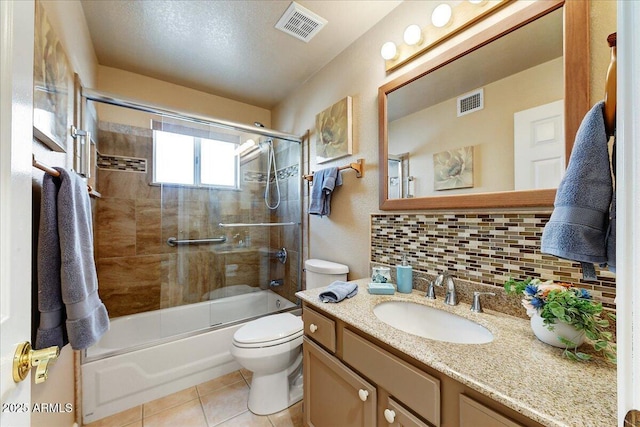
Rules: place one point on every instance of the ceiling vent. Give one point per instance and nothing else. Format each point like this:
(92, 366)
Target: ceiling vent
(470, 102)
(300, 22)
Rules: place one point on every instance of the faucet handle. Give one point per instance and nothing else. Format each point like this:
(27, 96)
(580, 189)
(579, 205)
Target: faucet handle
(431, 292)
(476, 307)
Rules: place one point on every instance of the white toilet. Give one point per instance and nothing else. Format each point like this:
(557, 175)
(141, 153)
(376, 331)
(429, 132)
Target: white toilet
(271, 348)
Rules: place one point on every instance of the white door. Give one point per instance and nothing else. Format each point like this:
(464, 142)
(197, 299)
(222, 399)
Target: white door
(16, 106)
(628, 212)
(539, 158)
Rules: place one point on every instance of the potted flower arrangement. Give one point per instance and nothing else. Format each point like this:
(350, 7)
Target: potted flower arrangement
(563, 315)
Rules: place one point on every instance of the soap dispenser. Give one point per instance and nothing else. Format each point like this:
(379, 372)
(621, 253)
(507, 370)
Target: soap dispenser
(404, 276)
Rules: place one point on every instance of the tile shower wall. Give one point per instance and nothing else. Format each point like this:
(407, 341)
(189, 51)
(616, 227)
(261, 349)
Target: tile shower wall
(483, 248)
(137, 270)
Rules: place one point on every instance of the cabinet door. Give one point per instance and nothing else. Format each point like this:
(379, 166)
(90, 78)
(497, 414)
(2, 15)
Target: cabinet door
(474, 414)
(395, 415)
(333, 394)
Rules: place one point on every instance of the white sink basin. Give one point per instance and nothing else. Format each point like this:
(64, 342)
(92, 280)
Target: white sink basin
(431, 323)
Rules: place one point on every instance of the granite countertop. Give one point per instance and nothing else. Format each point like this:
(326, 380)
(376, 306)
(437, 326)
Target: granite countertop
(515, 369)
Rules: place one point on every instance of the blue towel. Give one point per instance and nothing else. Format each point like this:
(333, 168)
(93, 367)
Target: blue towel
(577, 229)
(67, 279)
(338, 290)
(611, 233)
(324, 182)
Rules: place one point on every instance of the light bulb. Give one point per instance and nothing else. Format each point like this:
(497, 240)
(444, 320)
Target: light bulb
(475, 1)
(389, 51)
(441, 15)
(412, 35)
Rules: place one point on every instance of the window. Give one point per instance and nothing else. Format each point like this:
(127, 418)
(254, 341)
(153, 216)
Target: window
(184, 158)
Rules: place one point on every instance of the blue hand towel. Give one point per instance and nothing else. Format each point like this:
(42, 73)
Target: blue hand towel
(71, 278)
(578, 225)
(338, 290)
(324, 183)
(611, 233)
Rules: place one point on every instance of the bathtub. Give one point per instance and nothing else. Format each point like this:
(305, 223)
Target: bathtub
(151, 355)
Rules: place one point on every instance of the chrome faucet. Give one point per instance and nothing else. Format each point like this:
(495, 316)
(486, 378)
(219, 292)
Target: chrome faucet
(451, 298)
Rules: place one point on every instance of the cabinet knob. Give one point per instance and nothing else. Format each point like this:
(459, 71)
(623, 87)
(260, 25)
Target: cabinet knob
(389, 415)
(363, 394)
(313, 328)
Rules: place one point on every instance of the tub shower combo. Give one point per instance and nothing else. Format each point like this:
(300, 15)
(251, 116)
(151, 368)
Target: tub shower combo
(198, 231)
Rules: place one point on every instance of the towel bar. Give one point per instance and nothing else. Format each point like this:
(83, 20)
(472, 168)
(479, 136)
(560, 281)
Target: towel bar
(358, 166)
(172, 241)
(259, 224)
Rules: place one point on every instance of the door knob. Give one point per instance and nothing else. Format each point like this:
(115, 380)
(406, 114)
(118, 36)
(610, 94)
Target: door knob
(313, 328)
(363, 394)
(26, 358)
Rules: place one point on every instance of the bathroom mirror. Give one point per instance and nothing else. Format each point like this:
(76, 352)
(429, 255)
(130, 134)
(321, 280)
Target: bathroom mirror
(440, 161)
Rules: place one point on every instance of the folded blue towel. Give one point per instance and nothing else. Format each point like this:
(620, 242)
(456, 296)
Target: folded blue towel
(338, 290)
(324, 182)
(578, 225)
(70, 277)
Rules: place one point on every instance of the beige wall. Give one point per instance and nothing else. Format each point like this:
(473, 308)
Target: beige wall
(358, 72)
(181, 98)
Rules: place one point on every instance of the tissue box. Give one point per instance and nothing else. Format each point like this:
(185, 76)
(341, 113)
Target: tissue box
(381, 288)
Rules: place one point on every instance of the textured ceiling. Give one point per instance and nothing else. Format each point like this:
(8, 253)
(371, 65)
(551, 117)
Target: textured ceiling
(227, 48)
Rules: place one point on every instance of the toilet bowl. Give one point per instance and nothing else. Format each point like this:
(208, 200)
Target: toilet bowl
(271, 348)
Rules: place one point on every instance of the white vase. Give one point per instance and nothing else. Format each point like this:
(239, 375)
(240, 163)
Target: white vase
(560, 330)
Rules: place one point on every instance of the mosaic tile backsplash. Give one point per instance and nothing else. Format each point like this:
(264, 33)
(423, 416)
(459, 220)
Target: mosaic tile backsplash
(481, 248)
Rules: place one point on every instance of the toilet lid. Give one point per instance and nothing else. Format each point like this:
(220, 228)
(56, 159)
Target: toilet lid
(269, 328)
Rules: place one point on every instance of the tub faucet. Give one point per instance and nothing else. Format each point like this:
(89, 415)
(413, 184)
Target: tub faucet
(451, 297)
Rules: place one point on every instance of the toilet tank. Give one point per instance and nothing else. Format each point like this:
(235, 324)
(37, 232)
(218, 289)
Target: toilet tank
(319, 273)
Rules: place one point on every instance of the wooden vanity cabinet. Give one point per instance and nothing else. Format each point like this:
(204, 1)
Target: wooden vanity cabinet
(341, 361)
(475, 414)
(333, 394)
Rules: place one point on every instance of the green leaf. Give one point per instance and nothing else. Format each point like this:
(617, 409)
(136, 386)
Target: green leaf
(557, 311)
(600, 345)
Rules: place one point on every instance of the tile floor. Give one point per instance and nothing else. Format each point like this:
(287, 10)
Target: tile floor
(221, 402)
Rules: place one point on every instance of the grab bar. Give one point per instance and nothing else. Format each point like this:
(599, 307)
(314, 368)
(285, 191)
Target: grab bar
(173, 241)
(260, 224)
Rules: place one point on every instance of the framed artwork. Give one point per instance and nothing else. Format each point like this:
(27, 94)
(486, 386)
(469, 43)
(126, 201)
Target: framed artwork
(453, 169)
(334, 131)
(52, 82)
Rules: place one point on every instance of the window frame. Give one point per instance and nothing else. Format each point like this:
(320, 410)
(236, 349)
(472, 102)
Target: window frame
(197, 136)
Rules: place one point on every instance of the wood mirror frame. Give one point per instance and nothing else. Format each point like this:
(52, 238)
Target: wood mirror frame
(576, 96)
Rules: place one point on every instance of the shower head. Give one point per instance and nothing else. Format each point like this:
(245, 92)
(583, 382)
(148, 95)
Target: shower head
(258, 124)
(268, 142)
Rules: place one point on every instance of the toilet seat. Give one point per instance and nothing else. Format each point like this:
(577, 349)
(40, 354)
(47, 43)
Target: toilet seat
(269, 331)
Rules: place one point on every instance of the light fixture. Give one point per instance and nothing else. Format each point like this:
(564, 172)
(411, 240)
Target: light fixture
(441, 15)
(389, 51)
(413, 35)
(244, 147)
(419, 38)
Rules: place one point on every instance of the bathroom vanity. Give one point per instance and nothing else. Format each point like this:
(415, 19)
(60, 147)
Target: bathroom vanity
(359, 371)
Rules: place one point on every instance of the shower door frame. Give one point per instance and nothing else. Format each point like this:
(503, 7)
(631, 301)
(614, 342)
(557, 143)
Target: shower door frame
(88, 94)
